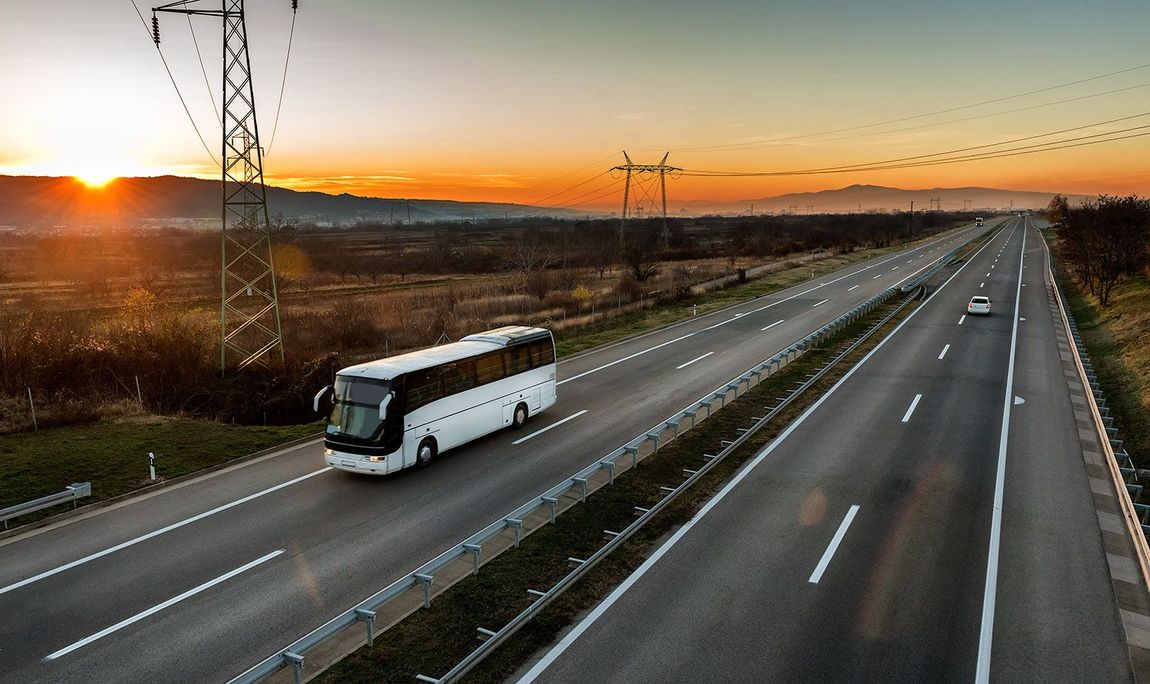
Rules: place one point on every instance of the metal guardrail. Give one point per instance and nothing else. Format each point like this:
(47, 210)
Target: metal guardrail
(1120, 465)
(73, 493)
(495, 639)
(617, 461)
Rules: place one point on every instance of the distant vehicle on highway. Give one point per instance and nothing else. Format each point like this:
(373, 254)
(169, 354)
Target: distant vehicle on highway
(403, 411)
(979, 306)
(978, 221)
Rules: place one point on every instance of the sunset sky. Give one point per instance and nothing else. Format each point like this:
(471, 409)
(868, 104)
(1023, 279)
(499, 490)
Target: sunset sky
(516, 101)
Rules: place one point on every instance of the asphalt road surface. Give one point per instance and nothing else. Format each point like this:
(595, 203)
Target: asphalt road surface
(199, 581)
(928, 520)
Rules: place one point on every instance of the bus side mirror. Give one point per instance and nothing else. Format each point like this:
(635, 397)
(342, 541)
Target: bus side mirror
(323, 396)
(383, 405)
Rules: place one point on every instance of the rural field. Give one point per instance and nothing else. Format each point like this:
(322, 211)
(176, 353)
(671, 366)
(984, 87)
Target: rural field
(106, 323)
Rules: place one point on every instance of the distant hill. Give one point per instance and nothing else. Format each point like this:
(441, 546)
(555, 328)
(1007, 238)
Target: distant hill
(880, 198)
(32, 201)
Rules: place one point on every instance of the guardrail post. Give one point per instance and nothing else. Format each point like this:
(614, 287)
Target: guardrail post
(517, 524)
(654, 437)
(296, 661)
(634, 451)
(722, 397)
(582, 482)
(610, 466)
(476, 550)
(368, 617)
(552, 504)
(673, 424)
(425, 581)
(691, 415)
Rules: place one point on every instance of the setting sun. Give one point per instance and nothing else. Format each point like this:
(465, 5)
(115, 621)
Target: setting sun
(95, 179)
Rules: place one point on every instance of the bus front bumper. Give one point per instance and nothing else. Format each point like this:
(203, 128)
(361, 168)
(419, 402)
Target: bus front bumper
(369, 465)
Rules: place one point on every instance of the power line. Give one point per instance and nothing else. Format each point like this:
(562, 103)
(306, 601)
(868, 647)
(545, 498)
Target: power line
(862, 166)
(203, 69)
(573, 187)
(913, 117)
(283, 83)
(1010, 152)
(178, 93)
(990, 114)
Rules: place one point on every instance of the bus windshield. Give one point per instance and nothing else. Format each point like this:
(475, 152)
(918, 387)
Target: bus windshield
(355, 410)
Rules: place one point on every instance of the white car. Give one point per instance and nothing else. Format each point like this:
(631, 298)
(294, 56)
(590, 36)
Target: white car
(978, 305)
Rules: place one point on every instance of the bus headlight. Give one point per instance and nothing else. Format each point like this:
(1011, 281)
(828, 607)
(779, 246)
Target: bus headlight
(327, 452)
(376, 459)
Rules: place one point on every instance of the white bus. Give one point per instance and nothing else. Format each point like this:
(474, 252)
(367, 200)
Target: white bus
(389, 414)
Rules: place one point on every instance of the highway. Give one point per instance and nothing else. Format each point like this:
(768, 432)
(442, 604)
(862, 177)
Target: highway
(927, 520)
(199, 581)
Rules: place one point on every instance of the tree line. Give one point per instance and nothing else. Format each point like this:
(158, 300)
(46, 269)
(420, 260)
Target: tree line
(1104, 241)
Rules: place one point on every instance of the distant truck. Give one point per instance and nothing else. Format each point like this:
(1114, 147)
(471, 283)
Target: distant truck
(978, 221)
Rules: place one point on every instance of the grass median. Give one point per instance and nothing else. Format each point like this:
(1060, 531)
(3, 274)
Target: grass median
(432, 641)
(113, 455)
(1117, 339)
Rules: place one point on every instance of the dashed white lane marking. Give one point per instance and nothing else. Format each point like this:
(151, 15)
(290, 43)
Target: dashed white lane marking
(852, 287)
(910, 411)
(773, 324)
(834, 545)
(549, 427)
(821, 303)
(945, 349)
(698, 358)
(157, 608)
(162, 530)
(961, 319)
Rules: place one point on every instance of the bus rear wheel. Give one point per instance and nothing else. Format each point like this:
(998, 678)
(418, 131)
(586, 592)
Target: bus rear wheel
(519, 417)
(425, 454)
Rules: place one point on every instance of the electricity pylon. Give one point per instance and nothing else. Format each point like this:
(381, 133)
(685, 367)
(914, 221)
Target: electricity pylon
(638, 171)
(250, 330)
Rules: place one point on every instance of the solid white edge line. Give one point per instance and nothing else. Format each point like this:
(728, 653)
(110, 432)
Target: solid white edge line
(699, 358)
(157, 608)
(821, 303)
(945, 349)
(910, 411)
(834, 545)
(552, 425)
(986, 634)
(781, 320)
(565, 643)
(156, 533)
(880, 262)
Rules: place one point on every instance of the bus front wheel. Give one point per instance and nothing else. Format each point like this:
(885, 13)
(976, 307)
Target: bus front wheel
(519, 417)
(425, 454)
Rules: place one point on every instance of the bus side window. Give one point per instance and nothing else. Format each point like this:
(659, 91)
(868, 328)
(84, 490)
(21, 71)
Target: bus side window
(423, 387)
(458, 376)
(517, 358)
(489, 367)
(542, 354)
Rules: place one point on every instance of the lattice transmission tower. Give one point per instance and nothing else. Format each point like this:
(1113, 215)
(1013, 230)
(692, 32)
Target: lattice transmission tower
(643, 177)
(250, 331)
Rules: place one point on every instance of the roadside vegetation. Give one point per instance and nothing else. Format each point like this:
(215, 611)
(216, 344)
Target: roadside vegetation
(113, 455)
(1104, 252)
